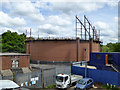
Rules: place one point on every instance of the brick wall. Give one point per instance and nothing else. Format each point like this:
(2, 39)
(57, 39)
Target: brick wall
(6, 62)
(24, 61)
(65, 50)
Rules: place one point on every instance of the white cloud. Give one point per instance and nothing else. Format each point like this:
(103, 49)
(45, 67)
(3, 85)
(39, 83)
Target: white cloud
(55, 30)
(74, 6)
(6, 20)
(115, 19)
(4, 29)
(26, 9)
(49, 29)
(56, 18)
(108, 34)
(59, 20)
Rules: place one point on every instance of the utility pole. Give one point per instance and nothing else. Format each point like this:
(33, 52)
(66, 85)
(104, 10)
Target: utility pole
(85, 62)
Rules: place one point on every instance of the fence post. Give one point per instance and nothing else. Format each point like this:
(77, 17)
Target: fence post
(42, 78)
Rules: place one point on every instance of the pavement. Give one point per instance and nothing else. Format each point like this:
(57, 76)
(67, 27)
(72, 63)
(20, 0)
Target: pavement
(71, 88)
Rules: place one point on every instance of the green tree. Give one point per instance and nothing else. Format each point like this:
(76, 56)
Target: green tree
(111, 47)
(12, 42)
(116, 47)
(105, 48)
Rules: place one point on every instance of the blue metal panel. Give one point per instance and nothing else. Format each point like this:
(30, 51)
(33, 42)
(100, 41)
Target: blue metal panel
(100, 63)
(102, 76)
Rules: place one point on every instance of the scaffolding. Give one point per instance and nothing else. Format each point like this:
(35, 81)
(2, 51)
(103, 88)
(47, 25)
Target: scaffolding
(85, 31)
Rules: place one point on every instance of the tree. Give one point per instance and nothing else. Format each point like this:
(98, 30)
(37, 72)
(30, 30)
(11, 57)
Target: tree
(105, 48)
(111, 47)
(12, 42)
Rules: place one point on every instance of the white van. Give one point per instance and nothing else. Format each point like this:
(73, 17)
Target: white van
(8, 84)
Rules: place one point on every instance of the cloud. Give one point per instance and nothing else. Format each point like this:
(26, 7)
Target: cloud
(48, 28)
(59, 20)
(7, 21)
(59, 25)
(4, 29)
(108, 34)
(26, 9)
(115, 19)
(55, 18)
(55, 30)
(74, 6)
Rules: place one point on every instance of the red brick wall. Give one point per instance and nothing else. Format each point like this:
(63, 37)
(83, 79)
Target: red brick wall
(95, 47)
(6, 62)
(58, 50)
(24, 61)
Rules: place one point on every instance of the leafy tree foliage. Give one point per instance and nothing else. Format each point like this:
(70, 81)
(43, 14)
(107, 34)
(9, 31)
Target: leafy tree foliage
(12, 42)
(111, 47)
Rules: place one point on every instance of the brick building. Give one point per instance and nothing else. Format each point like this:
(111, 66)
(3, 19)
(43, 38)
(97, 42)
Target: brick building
(61, 50)
(13, 61)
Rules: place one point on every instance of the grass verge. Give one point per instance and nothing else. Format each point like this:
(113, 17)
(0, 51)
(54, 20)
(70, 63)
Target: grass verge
(51, 86)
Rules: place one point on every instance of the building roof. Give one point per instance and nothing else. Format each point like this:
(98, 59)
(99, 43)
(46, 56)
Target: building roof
(13, 54)
(43, 40)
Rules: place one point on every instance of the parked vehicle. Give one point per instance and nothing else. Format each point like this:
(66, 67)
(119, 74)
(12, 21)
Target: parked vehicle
(8, 84)
(84, 84)
(64, 80)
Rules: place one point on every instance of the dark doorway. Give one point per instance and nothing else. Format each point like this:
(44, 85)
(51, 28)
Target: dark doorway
(110, 59)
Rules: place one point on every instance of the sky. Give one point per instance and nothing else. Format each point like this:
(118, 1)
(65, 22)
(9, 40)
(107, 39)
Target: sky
(56, 18)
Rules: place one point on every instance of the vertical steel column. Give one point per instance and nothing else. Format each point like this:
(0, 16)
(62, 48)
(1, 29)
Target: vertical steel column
(26, 33)
(76, 41)
(89, 31)
(76, 26)
(81, 31)
(38, 33)
(85, 26)
(77, 49)
(93, 32)
(30, 32)
(96, 34)
(99, 34)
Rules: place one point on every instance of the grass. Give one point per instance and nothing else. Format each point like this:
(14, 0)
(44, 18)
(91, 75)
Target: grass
(110, 87)
(51, 86)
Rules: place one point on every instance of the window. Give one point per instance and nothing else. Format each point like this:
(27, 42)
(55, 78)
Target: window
(82, 82)
(97, 56)
(66, 78)
(14, 63)
(59, 78)
(88, 82)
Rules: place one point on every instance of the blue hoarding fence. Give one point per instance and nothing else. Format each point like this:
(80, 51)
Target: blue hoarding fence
(102, 76)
